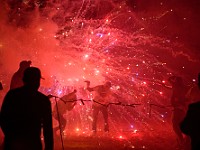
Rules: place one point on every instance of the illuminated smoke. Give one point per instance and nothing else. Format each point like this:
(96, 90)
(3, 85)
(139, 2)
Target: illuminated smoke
(74, 41)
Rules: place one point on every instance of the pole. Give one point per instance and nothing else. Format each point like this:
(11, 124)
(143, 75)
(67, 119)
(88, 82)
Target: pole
(59, 124)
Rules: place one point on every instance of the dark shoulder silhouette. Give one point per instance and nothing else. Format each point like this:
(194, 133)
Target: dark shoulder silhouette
(191, 123)
(24, 112)
(1, 86)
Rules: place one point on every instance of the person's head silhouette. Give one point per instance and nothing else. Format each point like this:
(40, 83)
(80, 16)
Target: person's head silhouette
(24, 64)
(31, 78)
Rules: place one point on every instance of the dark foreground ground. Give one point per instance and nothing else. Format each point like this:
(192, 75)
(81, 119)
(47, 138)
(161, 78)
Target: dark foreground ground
(118, 141)
(114, 141)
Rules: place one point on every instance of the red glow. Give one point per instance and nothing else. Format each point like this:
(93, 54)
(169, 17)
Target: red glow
(136, 45)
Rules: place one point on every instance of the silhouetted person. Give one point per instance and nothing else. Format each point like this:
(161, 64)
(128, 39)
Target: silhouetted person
(16, 80)
(25, 113)
(102, 96)
(61, 108)
(191, 123)
(178, 102)
(1, 86)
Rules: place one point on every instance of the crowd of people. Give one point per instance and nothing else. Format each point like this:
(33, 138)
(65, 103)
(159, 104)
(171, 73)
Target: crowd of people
(25, 111)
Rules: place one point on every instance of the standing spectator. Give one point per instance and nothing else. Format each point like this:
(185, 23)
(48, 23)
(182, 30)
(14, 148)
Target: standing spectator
(178, 102)
(1, 86)
(16, 80)
(25, 112)
(191, 123)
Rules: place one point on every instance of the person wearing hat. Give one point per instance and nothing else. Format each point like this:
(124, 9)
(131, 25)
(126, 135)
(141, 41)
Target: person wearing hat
(16, 80)
(25, 112)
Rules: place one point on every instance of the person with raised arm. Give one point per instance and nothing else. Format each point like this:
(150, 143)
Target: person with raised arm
(101, 98)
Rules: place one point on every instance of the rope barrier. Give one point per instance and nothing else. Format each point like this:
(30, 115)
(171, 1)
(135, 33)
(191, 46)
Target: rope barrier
(116, 103)
(106, 105)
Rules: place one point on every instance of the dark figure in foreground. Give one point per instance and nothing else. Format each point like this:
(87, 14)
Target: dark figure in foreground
(16, 80)
(101, 99)
(178, 102)
(191, 123)
(60, 109)
(1, 86)
(24, 113)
